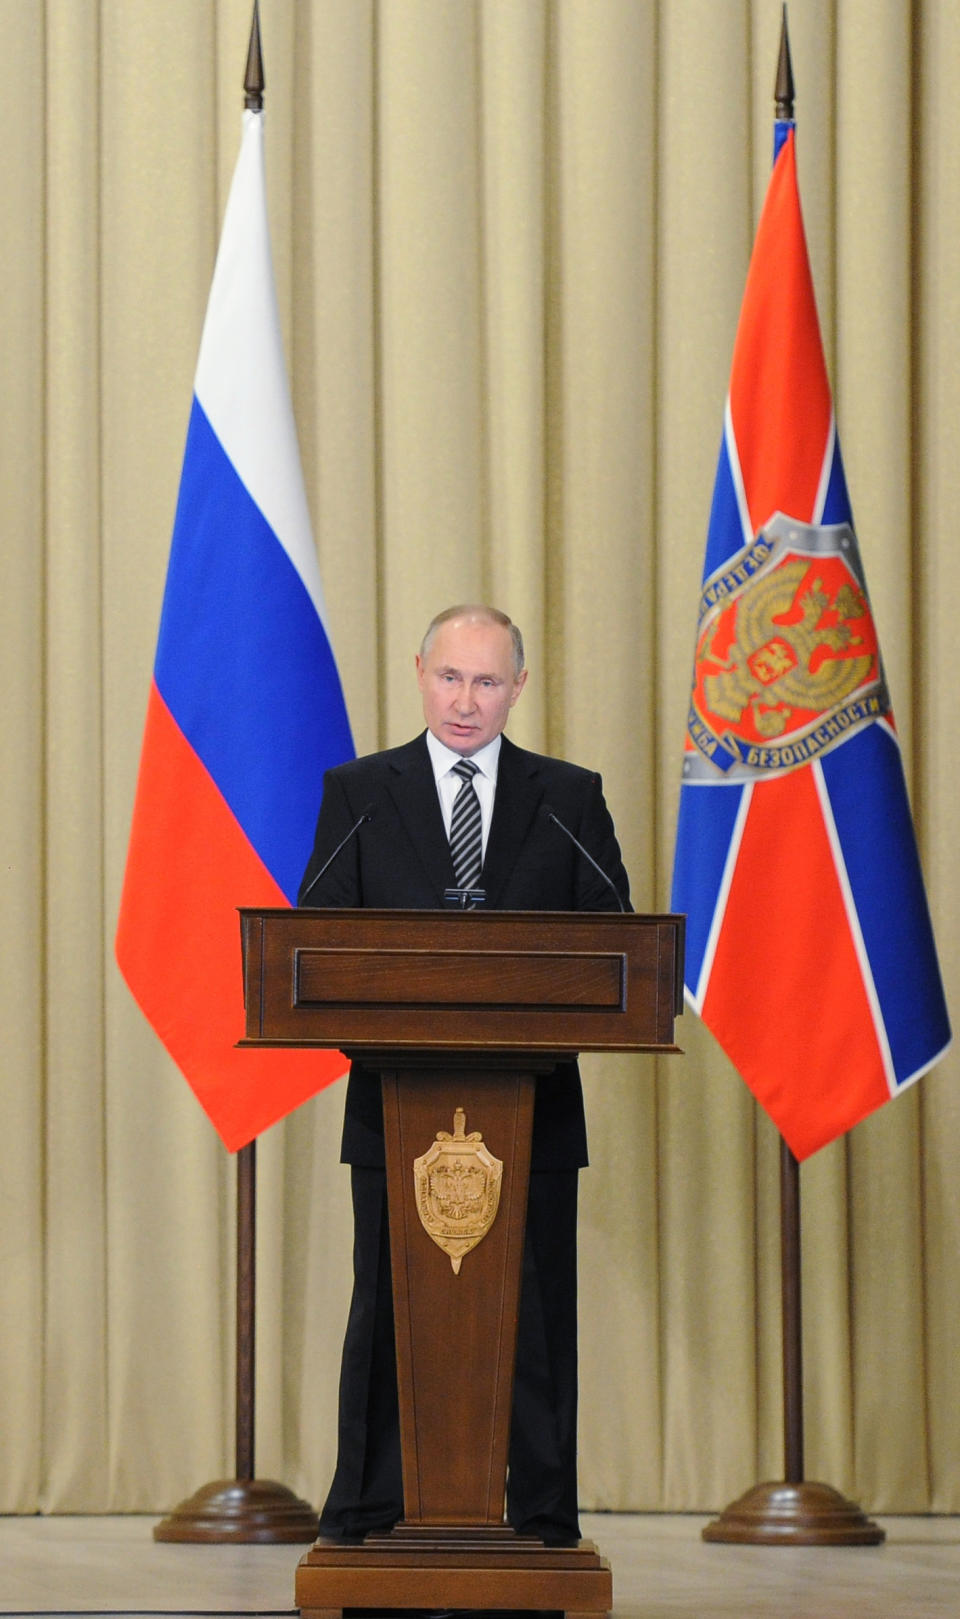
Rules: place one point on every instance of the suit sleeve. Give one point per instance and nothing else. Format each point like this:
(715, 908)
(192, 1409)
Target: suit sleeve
(340, 886)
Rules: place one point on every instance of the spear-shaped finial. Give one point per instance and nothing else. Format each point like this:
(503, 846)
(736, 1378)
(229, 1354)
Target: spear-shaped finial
(783, 89)
(253, 77)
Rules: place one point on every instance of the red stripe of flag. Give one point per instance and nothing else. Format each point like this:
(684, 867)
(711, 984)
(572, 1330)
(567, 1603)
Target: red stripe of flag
(812, 1059)
(779, 393)
(192, 868)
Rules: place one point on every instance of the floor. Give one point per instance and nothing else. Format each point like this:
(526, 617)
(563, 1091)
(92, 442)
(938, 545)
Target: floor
(661, 1569)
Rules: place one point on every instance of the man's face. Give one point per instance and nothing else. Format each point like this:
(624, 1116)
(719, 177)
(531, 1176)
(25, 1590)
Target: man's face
(468, 684)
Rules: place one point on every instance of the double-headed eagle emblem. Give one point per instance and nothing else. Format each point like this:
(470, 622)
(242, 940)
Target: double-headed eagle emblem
(787, 663)
(458, 1190)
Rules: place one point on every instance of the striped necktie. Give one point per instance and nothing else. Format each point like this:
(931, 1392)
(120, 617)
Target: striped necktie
(466, 839)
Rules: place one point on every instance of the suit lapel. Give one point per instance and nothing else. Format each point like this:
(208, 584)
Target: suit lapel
(518, 798)
(413, 789)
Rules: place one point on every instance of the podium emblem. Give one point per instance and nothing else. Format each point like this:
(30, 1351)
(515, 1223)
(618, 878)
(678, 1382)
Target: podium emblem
(458, 1190)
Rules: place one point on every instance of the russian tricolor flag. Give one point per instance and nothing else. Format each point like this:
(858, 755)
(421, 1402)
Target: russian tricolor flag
(810, 953)
(246, 710)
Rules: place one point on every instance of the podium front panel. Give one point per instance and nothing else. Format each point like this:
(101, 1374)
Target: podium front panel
(557, 982)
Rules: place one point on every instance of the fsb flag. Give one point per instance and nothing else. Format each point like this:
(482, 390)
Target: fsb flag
(245, 711)
(810, 953)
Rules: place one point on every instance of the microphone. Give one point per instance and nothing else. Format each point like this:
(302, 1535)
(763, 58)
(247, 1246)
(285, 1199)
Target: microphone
(366, 816)
(552, 815)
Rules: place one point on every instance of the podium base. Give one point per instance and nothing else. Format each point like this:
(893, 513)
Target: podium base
(456, 1569)
(240, 1510)
(794, 1515)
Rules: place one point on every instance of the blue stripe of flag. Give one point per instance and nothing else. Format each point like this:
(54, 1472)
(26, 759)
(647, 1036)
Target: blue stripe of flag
(708, 812)
(243, 662)
(868, 796)
(725, 532)
(836, 505)
(704, 828)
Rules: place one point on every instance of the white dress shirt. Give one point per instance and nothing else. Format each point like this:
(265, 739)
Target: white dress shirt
(486, 760)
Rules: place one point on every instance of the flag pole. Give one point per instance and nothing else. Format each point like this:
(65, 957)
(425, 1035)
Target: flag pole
(791, 1312)
(244, 1509)
(792, 1511)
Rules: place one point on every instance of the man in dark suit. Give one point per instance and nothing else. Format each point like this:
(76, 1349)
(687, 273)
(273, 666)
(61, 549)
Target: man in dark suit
(471, 671)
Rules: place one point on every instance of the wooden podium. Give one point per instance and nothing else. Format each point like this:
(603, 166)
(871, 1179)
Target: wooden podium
(459, 1012)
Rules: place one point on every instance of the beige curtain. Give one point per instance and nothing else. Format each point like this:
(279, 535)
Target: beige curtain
(511, 239)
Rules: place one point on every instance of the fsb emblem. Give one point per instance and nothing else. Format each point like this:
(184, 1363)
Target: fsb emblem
(458, 1189)
(787, 664)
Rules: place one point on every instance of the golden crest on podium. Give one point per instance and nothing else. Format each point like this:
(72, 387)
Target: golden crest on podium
(458, 1190)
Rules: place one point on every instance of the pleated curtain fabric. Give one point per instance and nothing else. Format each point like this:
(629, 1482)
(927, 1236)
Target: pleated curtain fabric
(510, 243)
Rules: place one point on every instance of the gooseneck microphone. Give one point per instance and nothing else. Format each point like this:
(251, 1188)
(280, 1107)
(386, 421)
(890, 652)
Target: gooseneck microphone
(552, 815)
(366, 816)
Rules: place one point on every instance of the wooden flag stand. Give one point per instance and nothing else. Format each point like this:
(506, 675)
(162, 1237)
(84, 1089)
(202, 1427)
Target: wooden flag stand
(459, 1012)
(793, 1512)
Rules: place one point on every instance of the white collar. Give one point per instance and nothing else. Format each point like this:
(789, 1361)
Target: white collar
(443, 758)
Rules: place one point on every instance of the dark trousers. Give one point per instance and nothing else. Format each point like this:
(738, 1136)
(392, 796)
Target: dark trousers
(367, 1488)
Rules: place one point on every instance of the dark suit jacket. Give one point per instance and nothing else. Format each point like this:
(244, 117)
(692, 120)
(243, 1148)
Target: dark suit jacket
(400, 859)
